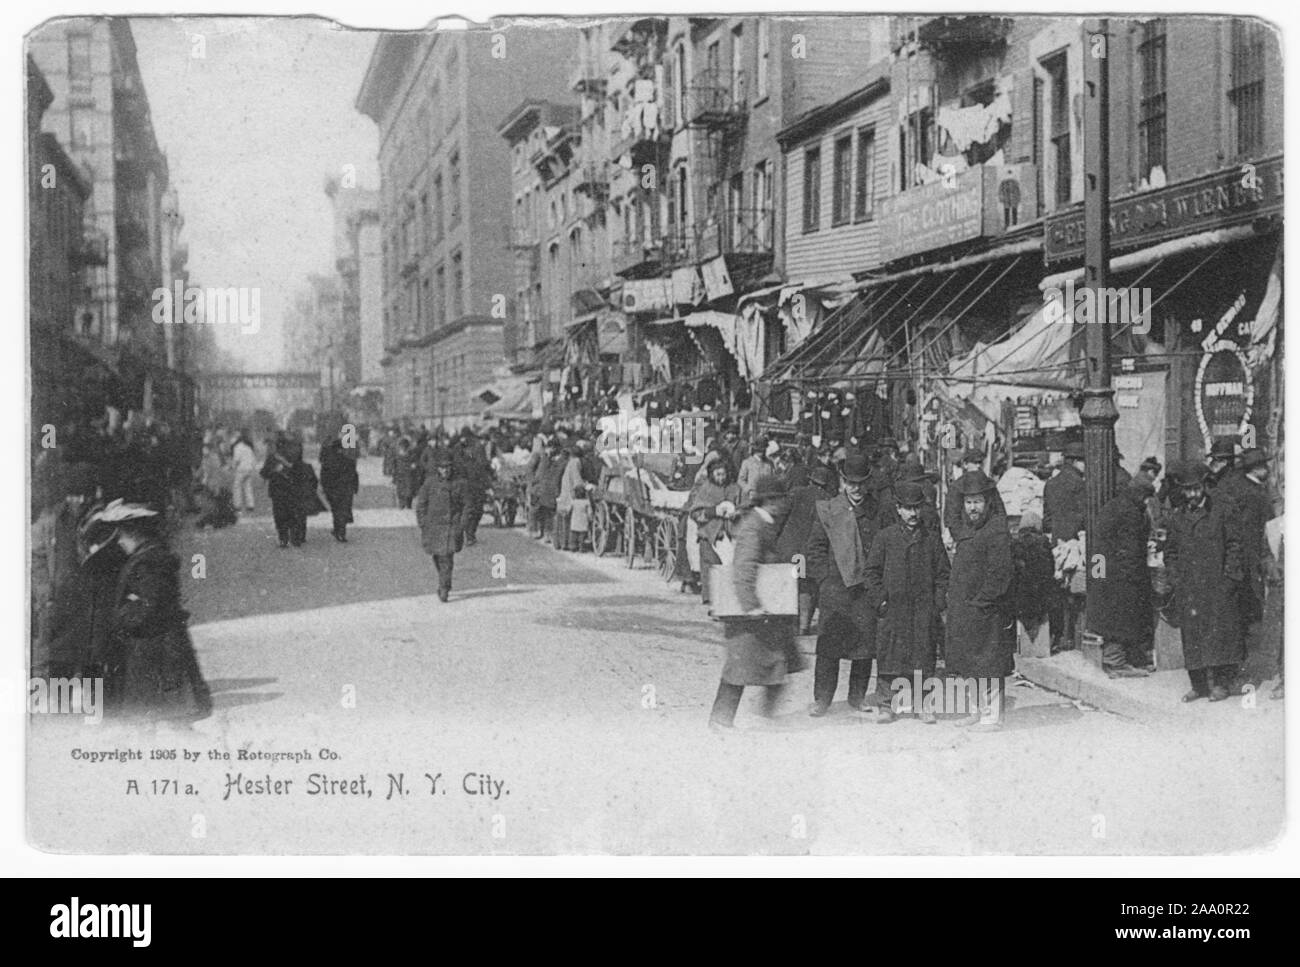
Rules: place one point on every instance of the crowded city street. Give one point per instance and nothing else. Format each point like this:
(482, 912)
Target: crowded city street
(656, 435)
(585, 686)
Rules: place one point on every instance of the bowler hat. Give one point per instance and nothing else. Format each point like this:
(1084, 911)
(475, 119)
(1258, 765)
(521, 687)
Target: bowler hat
(1187, 473)
(1151, 464)
(1252, 458)
(770, 487)
(1073, 450)
(857, 468)
(1223, 448)
(974, 482)
(909, 494)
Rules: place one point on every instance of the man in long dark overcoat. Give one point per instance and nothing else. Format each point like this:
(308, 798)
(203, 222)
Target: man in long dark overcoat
(1125, 615)
(907, 585)
(1251, 510)
(980, 644)
(339, 480)
(470, 463)
(439, 510)
(1204, 560)
(841, 535)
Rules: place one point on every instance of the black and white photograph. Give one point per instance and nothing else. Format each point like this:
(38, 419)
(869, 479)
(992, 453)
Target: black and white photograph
(757, 434)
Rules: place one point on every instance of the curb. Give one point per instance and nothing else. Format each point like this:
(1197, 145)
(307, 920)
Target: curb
(1110, 695)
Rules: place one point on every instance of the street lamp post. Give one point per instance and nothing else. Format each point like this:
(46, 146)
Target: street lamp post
(1098, 413)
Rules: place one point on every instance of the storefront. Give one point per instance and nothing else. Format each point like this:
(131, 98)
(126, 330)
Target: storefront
(1197, 354)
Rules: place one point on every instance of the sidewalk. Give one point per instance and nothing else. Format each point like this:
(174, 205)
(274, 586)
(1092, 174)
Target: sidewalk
(1156, 698)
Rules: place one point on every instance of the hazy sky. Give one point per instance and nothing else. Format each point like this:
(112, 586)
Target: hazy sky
(251, 130)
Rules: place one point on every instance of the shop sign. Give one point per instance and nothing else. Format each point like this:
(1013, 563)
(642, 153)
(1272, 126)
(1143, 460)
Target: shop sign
(980, 202)
(1216, 200)
(1224, 394)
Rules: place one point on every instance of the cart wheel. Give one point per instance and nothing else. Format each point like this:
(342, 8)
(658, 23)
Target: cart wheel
(600, 529)
(666, 547)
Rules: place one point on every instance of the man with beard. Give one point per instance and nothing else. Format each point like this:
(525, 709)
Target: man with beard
(972, 461)
(1219, 462)
(1203, 556)
(842, 532)
(981, 639)
(907, 585)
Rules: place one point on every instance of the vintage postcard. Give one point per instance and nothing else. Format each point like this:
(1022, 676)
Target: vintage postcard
(660, 434)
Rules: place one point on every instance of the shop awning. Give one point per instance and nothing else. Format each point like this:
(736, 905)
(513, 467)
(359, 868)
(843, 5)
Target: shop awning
(851, 342)
(1035, 355)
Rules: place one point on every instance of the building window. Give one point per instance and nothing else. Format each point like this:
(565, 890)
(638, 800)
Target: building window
(425, 305)
(1246, 96)
(453, 166)
(842, 181)
(738, 65)
(79, 68)
(1151, 106)
(1059, 124)
(437, 206)
(812, 189)
(763, 203)
(426, 220)
(679, 87)
(864, 195)
(440, 297)
(764, 57)
(915, 147)
(457, 285)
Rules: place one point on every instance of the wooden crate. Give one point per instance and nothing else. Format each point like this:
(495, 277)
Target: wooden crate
(777, 588)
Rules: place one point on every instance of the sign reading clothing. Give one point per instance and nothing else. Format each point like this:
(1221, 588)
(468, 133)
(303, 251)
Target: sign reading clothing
(932, 216)
(1217, 200)
(982, 201)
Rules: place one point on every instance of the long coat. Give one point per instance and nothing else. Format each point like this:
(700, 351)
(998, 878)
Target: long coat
(837, 554)
(438, 510)
(156, 668)
(756, 647)
(1203, 558)
(907, 572)
(1065, 504)
(1251, 509)
(338, 478)
(1125, 612)
(981, 639)
(472, 466)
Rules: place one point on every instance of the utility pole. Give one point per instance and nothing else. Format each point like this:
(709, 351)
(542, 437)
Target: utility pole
(1098, 413)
